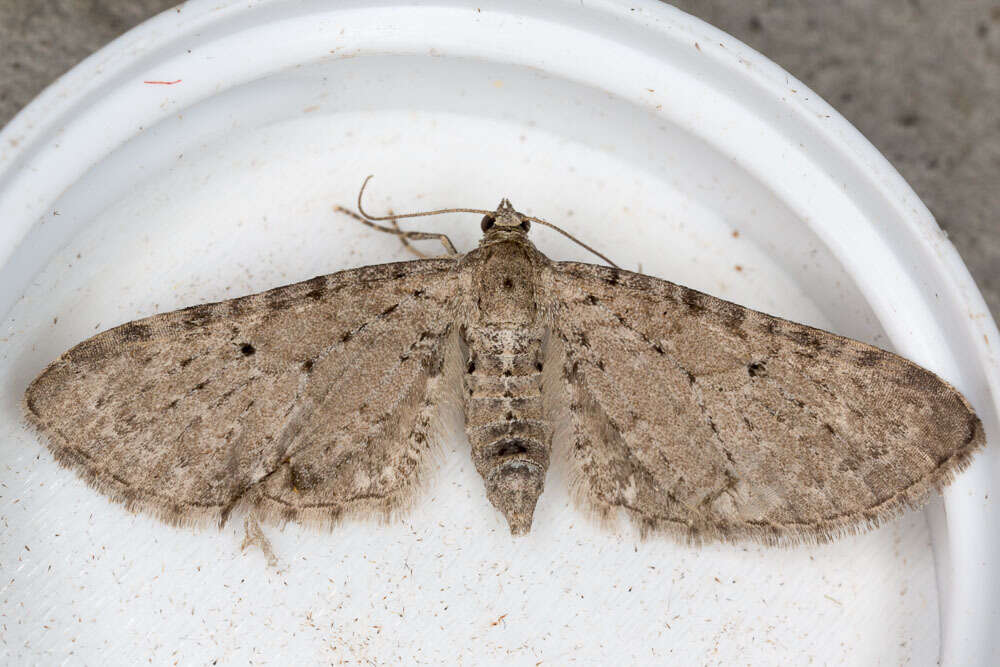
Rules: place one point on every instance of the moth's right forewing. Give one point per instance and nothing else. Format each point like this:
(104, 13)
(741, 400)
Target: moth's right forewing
(714, 421)
(189, 413)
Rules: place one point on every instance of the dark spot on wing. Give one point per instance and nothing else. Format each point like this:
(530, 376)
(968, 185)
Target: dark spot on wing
(869, 358)
(307, 365)
(301, 479)
(804, 338)
(185, 362)
(276, 299)
(756, 369)
(200, 385)
(508, 283)
(658, 348)
(733, 317)
(806, 354)
(346, 337)
(247, 350)
(693, 300)
(591, 299)
(317, 288)
(197, 316)
(225, 395)
(134, 332)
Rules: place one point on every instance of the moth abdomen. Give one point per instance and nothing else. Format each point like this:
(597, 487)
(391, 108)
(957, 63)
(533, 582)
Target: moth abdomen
(514, 487)
(505, 421)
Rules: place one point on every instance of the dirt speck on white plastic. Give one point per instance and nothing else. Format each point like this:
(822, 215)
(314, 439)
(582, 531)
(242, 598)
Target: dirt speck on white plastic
(647, 133)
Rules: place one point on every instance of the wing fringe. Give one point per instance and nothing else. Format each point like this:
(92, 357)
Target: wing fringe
(824, 531)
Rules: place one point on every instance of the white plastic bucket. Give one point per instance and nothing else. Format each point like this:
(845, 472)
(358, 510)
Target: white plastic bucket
(197, 158)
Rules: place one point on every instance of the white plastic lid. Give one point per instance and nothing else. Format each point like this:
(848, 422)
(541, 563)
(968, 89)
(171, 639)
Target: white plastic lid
(197, 158)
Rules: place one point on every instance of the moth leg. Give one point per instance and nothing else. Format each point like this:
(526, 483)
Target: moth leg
(403, 235)
(254, 535)
(406, 243)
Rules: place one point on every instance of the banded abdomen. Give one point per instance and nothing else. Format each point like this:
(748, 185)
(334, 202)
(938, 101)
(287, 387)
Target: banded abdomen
(504, 418)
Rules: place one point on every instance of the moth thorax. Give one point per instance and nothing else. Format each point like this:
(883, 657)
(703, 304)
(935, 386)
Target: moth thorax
(513, 488)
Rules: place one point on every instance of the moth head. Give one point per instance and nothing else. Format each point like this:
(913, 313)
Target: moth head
(505, 218)
(503, 224)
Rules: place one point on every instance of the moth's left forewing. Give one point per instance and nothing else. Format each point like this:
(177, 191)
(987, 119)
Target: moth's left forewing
(304, 402)
(711, 420)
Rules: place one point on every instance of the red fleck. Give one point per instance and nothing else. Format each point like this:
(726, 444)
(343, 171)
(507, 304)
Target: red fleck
(163, 83)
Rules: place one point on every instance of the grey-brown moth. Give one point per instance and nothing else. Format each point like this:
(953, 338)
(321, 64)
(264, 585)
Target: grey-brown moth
(690, 414)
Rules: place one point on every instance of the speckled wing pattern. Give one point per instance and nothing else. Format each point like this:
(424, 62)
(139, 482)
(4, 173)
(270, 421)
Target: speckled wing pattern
(708, 420)
(302, 403)
(693, 415)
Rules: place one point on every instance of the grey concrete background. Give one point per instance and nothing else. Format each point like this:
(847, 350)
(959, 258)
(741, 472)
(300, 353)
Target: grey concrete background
(919, 78)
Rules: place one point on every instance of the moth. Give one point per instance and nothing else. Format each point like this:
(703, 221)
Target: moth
(691, 415)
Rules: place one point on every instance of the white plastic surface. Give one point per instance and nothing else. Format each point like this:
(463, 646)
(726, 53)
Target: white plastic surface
(647, 133)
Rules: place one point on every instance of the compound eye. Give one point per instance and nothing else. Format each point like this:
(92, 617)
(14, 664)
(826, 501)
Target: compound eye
(525, 225)
(487, 223)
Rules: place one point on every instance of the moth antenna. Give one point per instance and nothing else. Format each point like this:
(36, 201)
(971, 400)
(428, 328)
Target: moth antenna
(411, 215)
(571, 238)
(544, 223)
